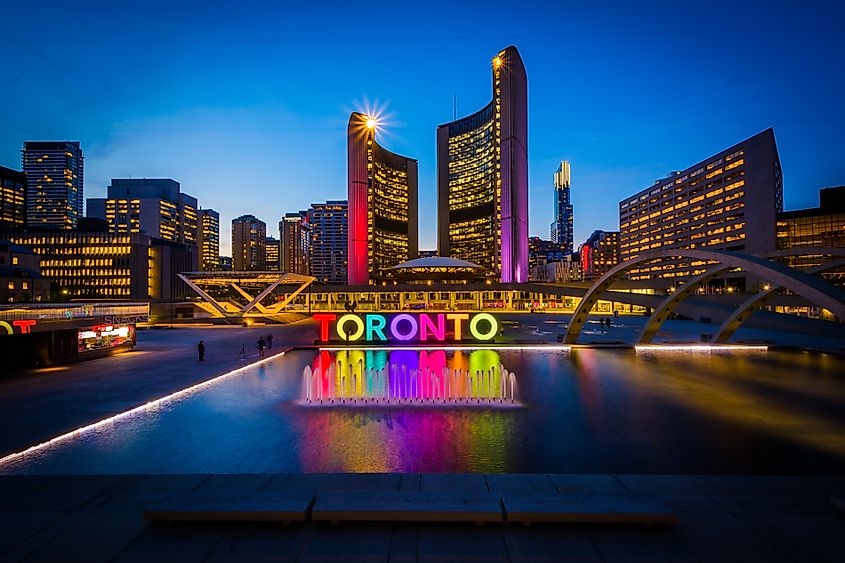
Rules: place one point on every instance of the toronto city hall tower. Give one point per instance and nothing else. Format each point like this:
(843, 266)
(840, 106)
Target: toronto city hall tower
(482, 178)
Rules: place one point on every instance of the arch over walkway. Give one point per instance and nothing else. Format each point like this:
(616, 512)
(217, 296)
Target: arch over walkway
(668, 305)
(745, 309)
(813, 288)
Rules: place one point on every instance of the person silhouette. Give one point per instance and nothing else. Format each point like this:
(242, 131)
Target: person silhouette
(201, 350)
(261, 345)
(270, 341)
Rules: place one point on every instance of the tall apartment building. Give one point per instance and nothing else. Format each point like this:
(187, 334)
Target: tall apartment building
(208, 239)
(599, 254)
(55, 183)
(560, 230)
(248, 237)
(482, 178)
(329, 235)
(728, 201)
(272, 254)
(295, 240)
(382, 188)
(12, 199)
(155, 207)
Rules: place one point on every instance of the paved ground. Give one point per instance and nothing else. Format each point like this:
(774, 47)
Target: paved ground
(720, 519)
(37, 405)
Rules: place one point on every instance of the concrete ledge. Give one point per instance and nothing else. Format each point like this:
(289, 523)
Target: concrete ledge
(407, 506)
(256, 508)
(586, 508)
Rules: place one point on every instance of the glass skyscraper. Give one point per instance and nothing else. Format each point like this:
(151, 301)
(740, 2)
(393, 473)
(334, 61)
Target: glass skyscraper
(482, 178)
(561, 228)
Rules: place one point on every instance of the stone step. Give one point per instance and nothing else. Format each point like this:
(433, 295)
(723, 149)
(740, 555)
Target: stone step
(248, 507)
(407, 506)
(586, 508)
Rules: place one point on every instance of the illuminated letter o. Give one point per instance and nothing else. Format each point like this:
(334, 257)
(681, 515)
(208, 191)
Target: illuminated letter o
(394, 327)
(473, 326)
(7, 326)
(359, 327)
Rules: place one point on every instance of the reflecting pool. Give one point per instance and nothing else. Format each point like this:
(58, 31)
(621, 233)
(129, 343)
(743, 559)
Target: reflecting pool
(584, 411)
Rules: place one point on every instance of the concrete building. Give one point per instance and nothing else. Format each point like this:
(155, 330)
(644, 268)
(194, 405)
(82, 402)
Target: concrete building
(482, 178)
(565, 271)
(272, 254)
(561, 229)
(12, 199)
(382, 204)
(329, 260)
(728, 201)
(105, 265)
(20, 275)
(248, 237)
(155, 207)
(208, 239)
(55, 183)
(599, 254)
(295, 235)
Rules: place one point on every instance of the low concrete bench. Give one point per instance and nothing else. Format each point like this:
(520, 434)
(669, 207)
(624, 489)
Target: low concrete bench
(293, 507)
(586, 508)
(407, 506)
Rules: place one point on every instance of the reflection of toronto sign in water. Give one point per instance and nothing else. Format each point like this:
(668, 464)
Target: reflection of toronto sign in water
(374, 327)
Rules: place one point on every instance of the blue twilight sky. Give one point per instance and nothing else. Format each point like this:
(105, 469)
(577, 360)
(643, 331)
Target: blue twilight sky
(245, 103)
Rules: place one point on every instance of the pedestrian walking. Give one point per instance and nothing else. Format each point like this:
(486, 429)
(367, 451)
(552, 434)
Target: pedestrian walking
(270, 341)
(201, 350)
(261, 345)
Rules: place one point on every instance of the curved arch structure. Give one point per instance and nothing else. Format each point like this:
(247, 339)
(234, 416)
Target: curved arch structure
(755, 302)
(668, 305)
(382, 204)
(813, 288)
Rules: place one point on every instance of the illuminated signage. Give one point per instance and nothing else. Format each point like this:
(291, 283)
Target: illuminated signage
(422, 327)
(24, 326)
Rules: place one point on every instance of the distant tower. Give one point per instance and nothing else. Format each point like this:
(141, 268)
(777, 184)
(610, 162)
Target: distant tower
(54, 183)
(249, 235)
(561, 228)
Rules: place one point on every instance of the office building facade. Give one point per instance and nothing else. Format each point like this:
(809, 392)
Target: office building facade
(560, 230)
(12, 199)
(382, 188)
(155, 207)
(482, 178)
(542, 252)
(818, 227)
(91, 265)
(248, 237)
(295, 239)
(272, 254)
(208, 239)
(599, 254)
(329, 258)
(55, 183)
(729, 201)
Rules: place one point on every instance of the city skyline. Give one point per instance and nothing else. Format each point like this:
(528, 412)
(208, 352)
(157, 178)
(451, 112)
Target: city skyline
(277, 138)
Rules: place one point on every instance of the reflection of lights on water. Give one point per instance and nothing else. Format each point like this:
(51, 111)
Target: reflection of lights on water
(408, 376)
(698, 348)
(448, 348)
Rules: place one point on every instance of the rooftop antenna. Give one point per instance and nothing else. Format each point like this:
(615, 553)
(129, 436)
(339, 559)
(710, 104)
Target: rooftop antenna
(454, 107)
